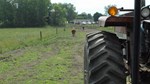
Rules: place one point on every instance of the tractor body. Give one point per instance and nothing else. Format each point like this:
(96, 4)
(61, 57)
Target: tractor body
(111, 58)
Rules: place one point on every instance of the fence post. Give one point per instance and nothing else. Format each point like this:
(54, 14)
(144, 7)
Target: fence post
(41, 35)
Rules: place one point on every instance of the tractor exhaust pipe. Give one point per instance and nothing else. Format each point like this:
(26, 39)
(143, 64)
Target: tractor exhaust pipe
(136, 40)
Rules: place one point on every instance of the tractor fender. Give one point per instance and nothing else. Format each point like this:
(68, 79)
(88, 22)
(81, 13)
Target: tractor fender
(105, 21)
(102, 20)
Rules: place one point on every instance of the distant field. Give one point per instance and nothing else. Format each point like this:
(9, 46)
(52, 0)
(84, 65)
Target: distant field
(25, 58)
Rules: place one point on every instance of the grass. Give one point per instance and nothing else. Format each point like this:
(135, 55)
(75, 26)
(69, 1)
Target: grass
(12, 39)
(18, 38)
(25, 58)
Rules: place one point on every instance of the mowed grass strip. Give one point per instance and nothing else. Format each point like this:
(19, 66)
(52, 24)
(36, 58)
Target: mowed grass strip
(56, 59)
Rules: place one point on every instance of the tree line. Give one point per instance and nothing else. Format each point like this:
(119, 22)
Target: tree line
(34, 13)
(37, 13)
(22, 13)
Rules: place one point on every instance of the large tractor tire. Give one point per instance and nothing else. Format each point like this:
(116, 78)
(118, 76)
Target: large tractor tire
(103, 59)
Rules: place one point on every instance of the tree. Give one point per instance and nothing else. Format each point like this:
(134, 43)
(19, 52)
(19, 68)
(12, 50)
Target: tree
(84, 16)
(6, 13)
(89, 16)
(59, 14)
(70, 11)
(23, 13)
(96, 16)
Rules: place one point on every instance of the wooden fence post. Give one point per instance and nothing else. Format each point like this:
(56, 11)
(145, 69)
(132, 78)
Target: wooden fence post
(41, 35)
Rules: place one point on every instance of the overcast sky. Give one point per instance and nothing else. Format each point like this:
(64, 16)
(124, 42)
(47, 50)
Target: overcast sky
(92, 6)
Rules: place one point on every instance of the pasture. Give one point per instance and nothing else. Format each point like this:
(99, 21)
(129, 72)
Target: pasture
(30, 57)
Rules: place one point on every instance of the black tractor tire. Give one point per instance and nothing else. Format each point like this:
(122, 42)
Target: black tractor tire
(103, 59)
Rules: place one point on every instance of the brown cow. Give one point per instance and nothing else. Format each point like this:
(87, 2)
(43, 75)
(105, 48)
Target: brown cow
(73, 31)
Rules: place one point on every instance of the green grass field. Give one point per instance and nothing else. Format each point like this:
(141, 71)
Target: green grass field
(25, 58)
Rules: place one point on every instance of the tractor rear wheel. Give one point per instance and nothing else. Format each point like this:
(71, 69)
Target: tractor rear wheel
(103, 59)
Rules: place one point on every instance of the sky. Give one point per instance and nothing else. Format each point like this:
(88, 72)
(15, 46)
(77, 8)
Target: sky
(93, 6)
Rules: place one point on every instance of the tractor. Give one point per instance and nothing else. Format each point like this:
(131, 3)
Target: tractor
(121, 57)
